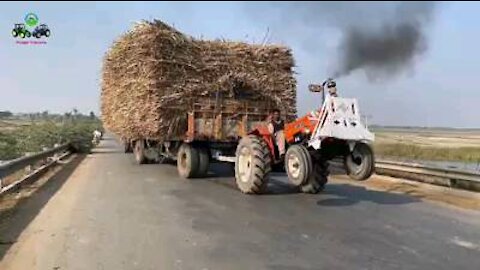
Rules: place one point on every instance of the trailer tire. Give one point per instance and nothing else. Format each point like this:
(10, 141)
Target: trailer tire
(139, 152)
(252, 165)
(187, 161)
(363, 168)
(204, 162)
(127, 147)
(318, 178)
(298, 164)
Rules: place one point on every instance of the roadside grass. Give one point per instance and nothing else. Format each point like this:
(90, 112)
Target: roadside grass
(45, 134)
(465, 154)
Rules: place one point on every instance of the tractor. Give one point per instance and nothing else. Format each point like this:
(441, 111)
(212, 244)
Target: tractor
(19, 30)
(41, 30)
(333, 131)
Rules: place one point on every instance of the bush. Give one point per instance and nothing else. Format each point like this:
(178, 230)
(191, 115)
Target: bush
(36, 137)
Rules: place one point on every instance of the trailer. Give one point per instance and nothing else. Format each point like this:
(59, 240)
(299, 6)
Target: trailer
(209, 132)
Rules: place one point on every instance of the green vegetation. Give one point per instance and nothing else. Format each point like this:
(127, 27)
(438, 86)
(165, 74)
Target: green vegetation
(466, 154)
(37, 135)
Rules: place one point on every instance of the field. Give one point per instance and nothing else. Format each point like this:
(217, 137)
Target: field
(428, 144)
(20, 136)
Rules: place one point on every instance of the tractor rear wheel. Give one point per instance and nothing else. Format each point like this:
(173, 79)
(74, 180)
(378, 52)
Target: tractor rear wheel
(252, 165)
(14, 33)
(47, 33)
(298, 164)
(188, 161)
(139, 152)
(360, 163)
(22, 35)
(318, 178)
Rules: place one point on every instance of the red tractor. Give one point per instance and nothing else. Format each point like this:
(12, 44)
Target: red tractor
(335, 130)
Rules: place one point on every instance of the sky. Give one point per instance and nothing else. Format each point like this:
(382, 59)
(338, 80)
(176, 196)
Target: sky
(441, 89)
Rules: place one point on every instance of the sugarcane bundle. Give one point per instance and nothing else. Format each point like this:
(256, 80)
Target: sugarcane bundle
(152, 73)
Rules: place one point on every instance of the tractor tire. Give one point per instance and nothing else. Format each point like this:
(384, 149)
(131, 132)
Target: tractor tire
(47, 33)
(37, 35)
(139, 152)
(204, 162)
(28, 34)
(127, 147)
(252, 165)
(22, 35)
(14, 33)
(188, 161)
(298, 164)
(318, 178)
(360, 164)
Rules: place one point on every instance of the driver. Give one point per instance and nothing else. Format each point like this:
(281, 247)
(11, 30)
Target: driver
(275, 127)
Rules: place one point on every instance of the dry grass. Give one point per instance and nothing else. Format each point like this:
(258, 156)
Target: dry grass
(467, 154)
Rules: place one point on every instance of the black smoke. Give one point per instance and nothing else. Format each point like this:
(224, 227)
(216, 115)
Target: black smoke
(381, 38)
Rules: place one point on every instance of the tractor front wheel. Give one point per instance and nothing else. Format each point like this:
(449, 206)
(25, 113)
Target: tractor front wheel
(252, 165)
(298, 164)
(360, 163)
(318, 178)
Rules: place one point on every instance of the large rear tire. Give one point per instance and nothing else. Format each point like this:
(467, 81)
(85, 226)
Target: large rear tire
(252, 165)
(298, 164)
(360, 163)
(318, 178)
(188, 161)
(139, 152)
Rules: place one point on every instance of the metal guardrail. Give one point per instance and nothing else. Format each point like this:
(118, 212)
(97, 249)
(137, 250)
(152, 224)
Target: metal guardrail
(428, 174)
(12, 166)
(428, 170)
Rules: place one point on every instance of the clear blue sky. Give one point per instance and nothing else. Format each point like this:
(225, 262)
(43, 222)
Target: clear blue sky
(441, 90)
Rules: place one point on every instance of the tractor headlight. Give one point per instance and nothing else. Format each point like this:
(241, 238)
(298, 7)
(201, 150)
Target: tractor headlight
(306, 130)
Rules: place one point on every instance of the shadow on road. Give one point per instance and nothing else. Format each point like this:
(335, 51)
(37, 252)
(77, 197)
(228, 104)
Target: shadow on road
(346, 195)
(13, 221)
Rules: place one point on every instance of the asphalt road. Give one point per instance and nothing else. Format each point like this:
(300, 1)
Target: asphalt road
(108, 213)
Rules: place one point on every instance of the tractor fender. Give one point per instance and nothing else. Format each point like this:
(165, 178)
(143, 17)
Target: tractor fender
(261, 131)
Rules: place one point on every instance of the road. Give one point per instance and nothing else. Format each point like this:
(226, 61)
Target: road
(108, 213)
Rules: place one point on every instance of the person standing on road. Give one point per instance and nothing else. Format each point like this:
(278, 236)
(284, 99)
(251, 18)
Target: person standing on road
(275, 127)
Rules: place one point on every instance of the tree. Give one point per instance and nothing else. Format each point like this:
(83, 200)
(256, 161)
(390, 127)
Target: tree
(92, 116)
(45, 115)
(5, 114)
